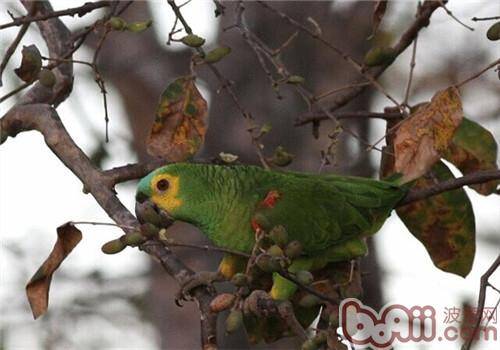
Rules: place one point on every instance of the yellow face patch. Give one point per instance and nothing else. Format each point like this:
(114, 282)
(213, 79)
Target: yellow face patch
(165, 188)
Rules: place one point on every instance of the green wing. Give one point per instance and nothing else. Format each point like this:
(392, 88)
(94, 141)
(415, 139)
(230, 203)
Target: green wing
(321, 211)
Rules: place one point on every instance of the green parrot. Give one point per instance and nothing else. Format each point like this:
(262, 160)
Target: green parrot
(329, 215)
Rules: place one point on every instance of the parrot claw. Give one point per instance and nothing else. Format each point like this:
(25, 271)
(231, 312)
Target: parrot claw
(198, 279)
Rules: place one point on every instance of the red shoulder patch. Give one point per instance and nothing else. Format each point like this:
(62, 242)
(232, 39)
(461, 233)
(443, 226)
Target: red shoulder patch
(271, 199)
(255, 226)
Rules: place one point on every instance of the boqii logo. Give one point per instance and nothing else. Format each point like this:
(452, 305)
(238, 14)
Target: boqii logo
(363, 326)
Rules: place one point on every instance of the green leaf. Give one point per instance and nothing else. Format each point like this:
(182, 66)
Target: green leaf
(281, 157)
(217, 54)
(378, 56)
(138, 27)
(266, 128)
(493, 32)
(474, 148)
(31, 64)
(113, 247)
(193, 40)
(179, 127)
(295, 79)
(444, 223)
(117, 23)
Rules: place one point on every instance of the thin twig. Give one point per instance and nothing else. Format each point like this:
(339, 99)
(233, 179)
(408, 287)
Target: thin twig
(389, 132)
(97, 75)
(475, 75)
(318, 116)
(412, 67)
(336, 90)
(15, 91)
(453, 16)
(259, 46)
(287, 43)
(422, 20)
(100, 81)
(171, 243)
(493, 312)
(288, 276)
(124, 227)
(226, 85)
(315, 35)
(481, 301)
(12, 48)
(475, 19)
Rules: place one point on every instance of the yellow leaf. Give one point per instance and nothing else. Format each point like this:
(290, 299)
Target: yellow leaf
(421, 139)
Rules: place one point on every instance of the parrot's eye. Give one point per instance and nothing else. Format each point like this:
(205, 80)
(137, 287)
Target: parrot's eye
(162, 185)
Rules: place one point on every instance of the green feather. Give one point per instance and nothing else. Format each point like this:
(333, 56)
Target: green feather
(320, 211)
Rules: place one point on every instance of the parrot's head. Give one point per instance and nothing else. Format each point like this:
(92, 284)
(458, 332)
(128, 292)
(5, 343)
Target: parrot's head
(171, 188)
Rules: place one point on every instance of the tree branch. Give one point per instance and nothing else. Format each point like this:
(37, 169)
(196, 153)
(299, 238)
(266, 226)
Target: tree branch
(33, 112)
(44, 118)
(312, 117)
(477, 74)
(481, 301)
(133, 171)
(449, 185)
(421, 21)
(347, 58)
(12, 48)
(58, 39)
(80, 11)
(226, 85)
(180, 272)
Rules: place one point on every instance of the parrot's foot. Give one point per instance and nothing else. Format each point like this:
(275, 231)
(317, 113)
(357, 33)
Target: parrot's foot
(202, 278)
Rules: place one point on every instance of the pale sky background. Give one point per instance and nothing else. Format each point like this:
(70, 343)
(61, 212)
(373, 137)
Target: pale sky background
(37, 193)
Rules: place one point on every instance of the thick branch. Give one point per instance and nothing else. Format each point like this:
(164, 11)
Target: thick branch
(452, 184)
(80, 11)
(44, 118)
(176, 269)
(132, 171)
(58, 40)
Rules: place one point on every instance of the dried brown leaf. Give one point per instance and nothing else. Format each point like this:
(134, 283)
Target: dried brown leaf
(31, 64)
(37, 289)
(179, 127)
(424, 137)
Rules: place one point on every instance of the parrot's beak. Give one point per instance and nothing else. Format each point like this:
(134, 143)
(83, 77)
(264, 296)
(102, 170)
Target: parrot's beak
(148, 212)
